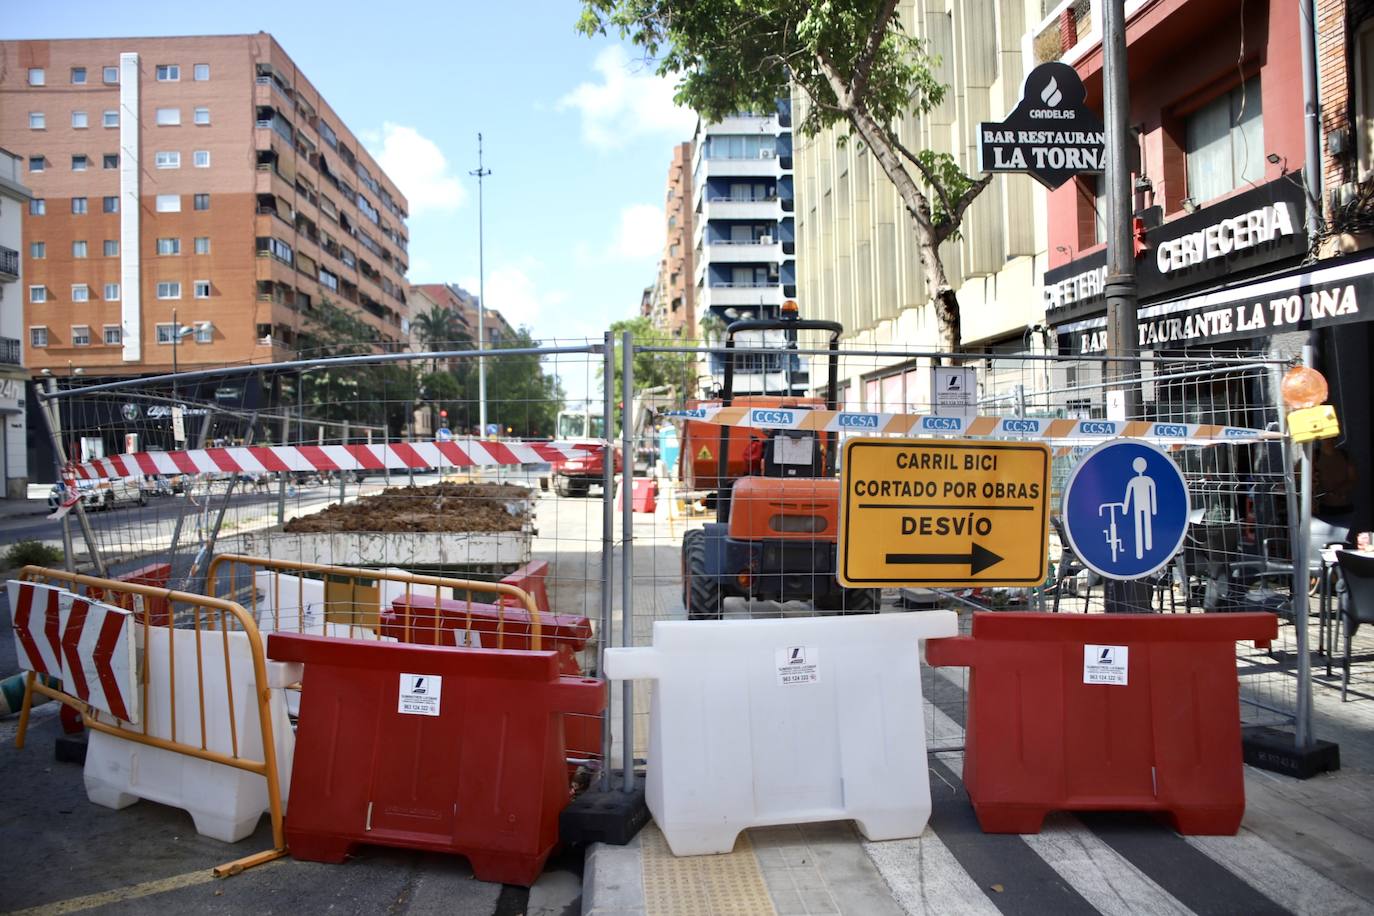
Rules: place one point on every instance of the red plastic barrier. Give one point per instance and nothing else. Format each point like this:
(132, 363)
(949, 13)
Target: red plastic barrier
(531, 578)
(644, 497)
(501, 627)
(469, 760)
(1040, 737)
(156, 575)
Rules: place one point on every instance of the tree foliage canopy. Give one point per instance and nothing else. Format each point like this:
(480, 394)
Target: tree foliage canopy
(652, 370)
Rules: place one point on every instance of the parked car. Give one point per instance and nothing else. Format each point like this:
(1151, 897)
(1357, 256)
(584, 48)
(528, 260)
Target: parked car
(103, 494)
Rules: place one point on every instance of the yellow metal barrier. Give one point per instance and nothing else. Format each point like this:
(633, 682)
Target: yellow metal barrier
(353, 574)
(202, 609)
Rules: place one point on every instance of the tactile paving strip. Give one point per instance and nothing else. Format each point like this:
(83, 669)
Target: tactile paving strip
(728, 885)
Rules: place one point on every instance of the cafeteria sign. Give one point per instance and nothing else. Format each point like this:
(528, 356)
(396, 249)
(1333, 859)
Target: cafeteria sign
(1051, 135)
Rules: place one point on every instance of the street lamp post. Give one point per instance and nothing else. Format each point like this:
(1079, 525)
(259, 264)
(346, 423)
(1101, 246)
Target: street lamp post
(481, 173)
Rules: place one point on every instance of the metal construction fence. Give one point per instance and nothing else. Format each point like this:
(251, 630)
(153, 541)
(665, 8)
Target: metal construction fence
(362, 495)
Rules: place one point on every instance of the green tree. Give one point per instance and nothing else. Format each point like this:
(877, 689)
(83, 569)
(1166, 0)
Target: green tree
(653, 370)
(521, 396)
(854, 63)
(442, 391)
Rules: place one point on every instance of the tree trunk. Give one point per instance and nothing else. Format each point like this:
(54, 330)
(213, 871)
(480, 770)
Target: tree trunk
(942, 296)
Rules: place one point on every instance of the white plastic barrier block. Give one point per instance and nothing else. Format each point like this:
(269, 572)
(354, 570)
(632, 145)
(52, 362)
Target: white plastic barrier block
(225, 802)
(295, 604)
(763, 722)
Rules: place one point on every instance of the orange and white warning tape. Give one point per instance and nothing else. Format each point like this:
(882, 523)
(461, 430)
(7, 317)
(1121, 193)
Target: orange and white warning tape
(1052, 431)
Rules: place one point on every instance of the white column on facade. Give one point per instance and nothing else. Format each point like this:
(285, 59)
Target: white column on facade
(130, 165)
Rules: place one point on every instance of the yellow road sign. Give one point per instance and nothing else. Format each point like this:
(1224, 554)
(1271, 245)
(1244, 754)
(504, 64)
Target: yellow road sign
(944, 512)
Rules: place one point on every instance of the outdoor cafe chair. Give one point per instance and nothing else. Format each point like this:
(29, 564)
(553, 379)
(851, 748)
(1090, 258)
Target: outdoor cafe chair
(1358, 606)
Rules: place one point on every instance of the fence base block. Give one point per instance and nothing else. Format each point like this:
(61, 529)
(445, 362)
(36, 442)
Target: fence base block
(1277, 751)
(71, 748)
(612, 817)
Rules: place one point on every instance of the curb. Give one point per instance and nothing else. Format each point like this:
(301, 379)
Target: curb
(613, 880)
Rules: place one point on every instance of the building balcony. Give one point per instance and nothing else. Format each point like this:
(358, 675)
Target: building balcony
(723, 295)
(729, 252)
(765, 208)
(11, 351)
(759, 166)
(9, 264)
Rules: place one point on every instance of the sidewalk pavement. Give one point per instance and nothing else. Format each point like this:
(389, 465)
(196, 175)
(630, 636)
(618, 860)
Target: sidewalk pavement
(19, 508)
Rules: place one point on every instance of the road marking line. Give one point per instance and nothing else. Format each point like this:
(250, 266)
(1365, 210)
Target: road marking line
(120, 894)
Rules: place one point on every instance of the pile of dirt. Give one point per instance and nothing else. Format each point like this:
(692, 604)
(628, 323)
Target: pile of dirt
(445, 507)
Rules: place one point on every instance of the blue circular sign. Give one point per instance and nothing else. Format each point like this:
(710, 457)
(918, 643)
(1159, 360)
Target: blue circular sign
(1126, 509)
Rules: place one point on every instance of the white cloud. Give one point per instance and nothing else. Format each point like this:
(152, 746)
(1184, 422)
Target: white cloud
(514, 293)
(642, 232)
(629, 101)
(418, 167)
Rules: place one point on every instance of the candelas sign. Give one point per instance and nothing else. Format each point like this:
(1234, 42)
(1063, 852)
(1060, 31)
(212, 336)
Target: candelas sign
(1050, 135)
(943, 512)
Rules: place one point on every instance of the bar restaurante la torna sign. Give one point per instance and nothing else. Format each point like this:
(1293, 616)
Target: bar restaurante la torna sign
(1050, 135)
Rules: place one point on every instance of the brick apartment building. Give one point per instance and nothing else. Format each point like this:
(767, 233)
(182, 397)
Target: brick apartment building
(463, 304)
(204, 175)
(672, 303)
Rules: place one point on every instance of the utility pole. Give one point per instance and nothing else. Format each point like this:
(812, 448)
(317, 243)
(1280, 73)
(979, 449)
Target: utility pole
(481, 173)
(1130, 596)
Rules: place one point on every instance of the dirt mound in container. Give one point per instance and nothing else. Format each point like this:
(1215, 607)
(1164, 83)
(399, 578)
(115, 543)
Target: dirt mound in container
(445, 507)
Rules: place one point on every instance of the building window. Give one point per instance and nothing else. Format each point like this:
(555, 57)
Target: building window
(81, 292)
(740, 146)
(205, 331)
(36, 163)
(169, 246)
(111, 248)
(110, 74)
(109, 118)
(202, 202)
(109, 161)
(201, 289)
(1225, 143)
(164, 333)
(168, 203)
(38, 250)
(78, 76)
(37, 77)
(38, 337)
(109, 204)
(168, 73)
(202, 116)
(112, 293)
(81, 335)
(79, 206)
(37, 120)
(168, 117)
(38, 294)
(167, 160)
(80, 120)
(79, 249)
(114, 334)
(38, 206)
(201, 158)
(200, 72)
(169, 290)
(80, 163)
(202, 244)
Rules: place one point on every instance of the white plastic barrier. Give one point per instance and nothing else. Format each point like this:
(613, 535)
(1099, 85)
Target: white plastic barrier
(762, 722)
(295, 604)
(225, 802)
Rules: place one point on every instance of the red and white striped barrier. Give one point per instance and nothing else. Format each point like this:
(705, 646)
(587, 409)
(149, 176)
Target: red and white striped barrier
(93, 648)
(36, 610)
(397, 456)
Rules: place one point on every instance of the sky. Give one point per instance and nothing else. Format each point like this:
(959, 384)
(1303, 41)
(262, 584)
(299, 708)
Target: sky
(578, 134)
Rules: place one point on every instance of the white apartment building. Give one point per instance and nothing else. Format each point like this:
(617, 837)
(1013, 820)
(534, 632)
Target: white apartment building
(14, 199)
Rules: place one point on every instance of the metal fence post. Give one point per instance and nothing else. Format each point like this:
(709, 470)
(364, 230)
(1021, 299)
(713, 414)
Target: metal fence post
(1299, 527)
(281, 483)
(627, 600)
(607, 543)
(343, 475)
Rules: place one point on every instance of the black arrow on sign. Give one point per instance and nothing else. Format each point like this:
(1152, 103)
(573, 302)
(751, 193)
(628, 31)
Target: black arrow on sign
(978, 559)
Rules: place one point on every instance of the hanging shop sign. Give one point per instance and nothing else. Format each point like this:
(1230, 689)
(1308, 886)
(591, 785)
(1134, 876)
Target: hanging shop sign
(1261, 226)
(1300, 301)
(1050, 135)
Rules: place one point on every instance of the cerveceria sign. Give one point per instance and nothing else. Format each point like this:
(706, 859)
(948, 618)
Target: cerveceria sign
(1050, 134)
(943, 512)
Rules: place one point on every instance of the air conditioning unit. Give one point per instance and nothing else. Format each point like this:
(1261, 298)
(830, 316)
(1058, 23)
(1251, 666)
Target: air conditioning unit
(765, 154)
(773, 272)
(765, 240)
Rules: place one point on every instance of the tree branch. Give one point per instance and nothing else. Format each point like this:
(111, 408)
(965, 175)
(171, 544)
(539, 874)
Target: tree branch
(956, 213)
(863, 65)
(930, 179)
